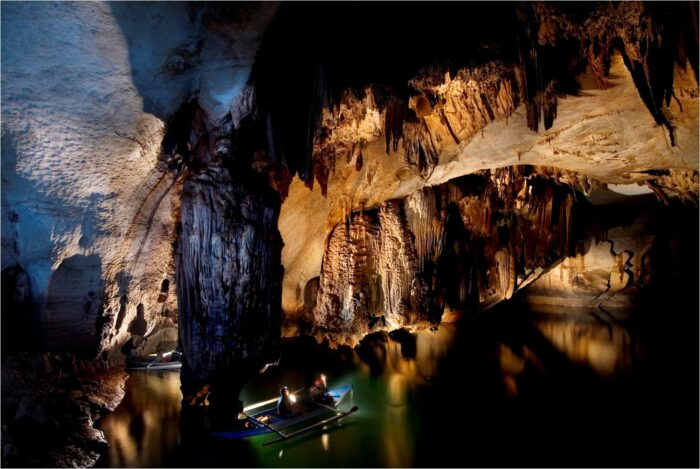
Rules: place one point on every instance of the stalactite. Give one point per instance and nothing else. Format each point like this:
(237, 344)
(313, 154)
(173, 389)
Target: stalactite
(369, 276)
(535, 83)
(280, 180)
(418, 146)
(323, 166)
(676, 184)
(426, 222)
(474, 98)
(649, 36)
(334, 275)
(597, 54)
(465, 244)
(521, 219)
(304, 114)
(506, 272)
(398, 261)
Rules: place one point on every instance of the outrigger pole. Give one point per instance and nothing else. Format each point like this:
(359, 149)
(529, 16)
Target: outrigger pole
(258, 422)
(311, 427)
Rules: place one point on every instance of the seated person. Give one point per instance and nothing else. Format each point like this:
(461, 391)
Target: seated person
(319, 392)
(200, 398)
(285, 404)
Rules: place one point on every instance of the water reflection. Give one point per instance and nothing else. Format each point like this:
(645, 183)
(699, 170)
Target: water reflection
(145, 428)
(508, 390)
(401, 364)
(606, 347)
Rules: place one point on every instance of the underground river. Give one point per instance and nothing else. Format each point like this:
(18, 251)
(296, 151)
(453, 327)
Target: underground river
(512, 387)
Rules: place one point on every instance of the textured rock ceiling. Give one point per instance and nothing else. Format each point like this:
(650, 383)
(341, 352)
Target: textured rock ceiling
(88, 90)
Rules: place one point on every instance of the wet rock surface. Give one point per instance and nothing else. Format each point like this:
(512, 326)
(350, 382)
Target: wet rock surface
(50, 403)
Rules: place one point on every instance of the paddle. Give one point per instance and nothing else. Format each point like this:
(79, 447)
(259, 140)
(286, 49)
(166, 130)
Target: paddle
(315, 425)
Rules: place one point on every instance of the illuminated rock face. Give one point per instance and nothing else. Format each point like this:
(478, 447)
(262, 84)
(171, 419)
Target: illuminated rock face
(50, 404)
(85, 195)
(602, 135)
(370, 276)
(620, 263)
(606, 273)
(466, 244)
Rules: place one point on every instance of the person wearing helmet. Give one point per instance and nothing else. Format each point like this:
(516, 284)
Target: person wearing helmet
(285, 405)
(319, 391)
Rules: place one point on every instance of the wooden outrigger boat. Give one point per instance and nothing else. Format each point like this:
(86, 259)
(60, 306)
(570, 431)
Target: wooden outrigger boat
(155, 366)
(267, 421)
(157, 362)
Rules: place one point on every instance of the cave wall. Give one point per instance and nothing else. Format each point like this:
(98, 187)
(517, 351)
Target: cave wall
(80, 172)
(88, 90)
(369, 275)
(107, 105)
(83, 122)
(607, 270)
(477, 240)
(619, 259)
(304, 229)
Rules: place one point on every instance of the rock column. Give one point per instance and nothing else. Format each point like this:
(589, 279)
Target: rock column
(229, 278)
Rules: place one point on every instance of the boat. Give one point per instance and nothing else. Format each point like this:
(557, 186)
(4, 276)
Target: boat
(154, 366)
(267, 421)
(156, 362)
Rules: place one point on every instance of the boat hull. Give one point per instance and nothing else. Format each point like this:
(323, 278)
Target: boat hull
(281, 423)
(156, 366)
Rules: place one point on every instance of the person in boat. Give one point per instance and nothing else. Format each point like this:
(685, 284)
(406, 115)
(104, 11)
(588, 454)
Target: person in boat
(201, 397)
(285, 404)
(319, 391)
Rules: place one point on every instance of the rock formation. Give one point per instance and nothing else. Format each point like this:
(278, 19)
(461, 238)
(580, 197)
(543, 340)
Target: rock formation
(372, 148)
(467, 243)
(229, 279)
(50, 403)
(580, 88)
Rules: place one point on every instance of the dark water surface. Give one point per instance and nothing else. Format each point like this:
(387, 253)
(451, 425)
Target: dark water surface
(512, 388)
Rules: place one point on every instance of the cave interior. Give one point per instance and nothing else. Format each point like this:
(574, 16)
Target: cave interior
(244, 182)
